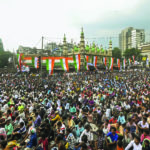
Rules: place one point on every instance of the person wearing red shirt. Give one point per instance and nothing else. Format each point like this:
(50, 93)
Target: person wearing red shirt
(139, 102)
(113, 120)
(43, 142)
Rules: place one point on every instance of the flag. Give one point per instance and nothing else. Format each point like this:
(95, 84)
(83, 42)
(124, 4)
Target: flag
(147, 62)
(27, 61)
(111, 62)
(86, 62)
(50, 65)
(70, 61)
(118, 63)
(64, 64)
(129, 60)
(133, 59)
(124, 64)
(57, 61)
(105, 60)
(35, 62)
(19, 58)
(76, 59)
(43, 61)
(94, 61)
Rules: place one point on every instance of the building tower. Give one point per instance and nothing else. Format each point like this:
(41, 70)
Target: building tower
(82, 50)
(110, 48)
(65, 51)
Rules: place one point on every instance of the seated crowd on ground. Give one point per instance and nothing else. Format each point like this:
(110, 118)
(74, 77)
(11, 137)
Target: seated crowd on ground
(75, 111)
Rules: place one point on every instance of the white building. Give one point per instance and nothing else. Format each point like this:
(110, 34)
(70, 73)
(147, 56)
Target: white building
(137, 37)
(131, 38)
(145, 49)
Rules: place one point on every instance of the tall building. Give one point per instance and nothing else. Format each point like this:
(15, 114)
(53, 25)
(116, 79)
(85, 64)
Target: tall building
(131, 38)
(137, 37)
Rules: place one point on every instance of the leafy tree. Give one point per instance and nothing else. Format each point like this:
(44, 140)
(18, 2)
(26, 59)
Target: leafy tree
(132, 52)
(1, 46)
(116, 53)
(4, 56)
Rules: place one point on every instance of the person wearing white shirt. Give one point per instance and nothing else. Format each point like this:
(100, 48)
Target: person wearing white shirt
(49, 110)
(67, 106)
(80, 99)
(5, 107)
(31, 109)
(143, 124)
(108, 112)
(88, 133)
(135, 144)
(58, 102)
(126, 105)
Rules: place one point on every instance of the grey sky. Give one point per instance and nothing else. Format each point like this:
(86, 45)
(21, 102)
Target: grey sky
(23, 22)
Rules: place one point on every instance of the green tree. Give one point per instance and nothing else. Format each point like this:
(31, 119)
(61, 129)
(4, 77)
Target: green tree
(132, 52)
(4, 56)
(116, 53)
(1, 46)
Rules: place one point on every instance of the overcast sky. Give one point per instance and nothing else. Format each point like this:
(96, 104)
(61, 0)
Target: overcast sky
(23, 22)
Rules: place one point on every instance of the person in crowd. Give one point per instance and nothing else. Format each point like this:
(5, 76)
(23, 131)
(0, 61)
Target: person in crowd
(121, 119)
(127, 137)
(111, 138)
(145, 135)
(146, 145)
(32, 141)
(38, 120)
(78, 130)
(135, 144)
(70, 139)
(113, 120)
(43, 142)
(88, 133)
(119, 145)
(71, 123)
(56, 118)
(9, 128)
(143, 125)
(99, 144)
(79, 109)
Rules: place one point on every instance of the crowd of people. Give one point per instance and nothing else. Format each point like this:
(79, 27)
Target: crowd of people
(75, 111)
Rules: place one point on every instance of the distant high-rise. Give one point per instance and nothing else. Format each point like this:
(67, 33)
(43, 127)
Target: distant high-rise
(131, 38)
(137, 37)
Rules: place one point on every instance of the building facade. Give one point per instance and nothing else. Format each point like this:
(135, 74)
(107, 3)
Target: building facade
(90, 51)
(69, 50)
(131, 38)
(145, 50)
(125, 39)
(137, 37)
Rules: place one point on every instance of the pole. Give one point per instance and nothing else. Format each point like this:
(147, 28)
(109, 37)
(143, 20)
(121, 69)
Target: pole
(41, 55)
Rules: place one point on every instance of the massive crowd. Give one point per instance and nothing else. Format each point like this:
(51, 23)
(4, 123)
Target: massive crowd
(75, 111)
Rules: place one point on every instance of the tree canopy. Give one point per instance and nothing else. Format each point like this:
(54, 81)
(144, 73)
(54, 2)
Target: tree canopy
(116, 53)
(4, 56)
(1, 46)
(132, 52)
